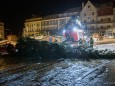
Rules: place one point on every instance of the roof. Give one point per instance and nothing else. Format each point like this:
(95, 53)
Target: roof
(34, 19)
(77, 9)
(113, 3)
(106, 10)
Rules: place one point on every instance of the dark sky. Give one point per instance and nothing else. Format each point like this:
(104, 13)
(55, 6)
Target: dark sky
(14, 12)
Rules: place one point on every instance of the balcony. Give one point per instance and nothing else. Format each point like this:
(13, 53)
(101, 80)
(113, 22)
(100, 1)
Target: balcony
(100, 22)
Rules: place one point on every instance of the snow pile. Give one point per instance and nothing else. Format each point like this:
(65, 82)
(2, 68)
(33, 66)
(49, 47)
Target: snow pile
(70, 76)
(105, 46)
(20, 79)
(65, 73)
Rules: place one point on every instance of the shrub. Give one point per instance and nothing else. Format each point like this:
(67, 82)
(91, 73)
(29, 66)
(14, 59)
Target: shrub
(33, 49)
(43, 50)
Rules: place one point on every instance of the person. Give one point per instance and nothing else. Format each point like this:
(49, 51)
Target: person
(55, 40)
(50, 39)
(87, 42)
(91, 42)
(84, 42)
(80, 41)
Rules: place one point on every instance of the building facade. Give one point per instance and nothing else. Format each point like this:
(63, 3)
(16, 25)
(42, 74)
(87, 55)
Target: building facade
(100, 19)
(47, 25)
(1, 30)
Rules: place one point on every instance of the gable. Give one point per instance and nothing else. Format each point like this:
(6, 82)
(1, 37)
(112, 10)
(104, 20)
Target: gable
(89, 7)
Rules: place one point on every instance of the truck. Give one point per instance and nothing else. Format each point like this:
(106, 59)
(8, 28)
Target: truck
(74, 29)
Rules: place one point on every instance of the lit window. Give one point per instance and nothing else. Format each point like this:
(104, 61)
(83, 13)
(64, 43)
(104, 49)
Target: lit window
(37, 24)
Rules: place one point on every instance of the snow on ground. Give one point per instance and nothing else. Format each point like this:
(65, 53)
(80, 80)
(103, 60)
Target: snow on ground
(105, 46)
(71, 76)
(65, 73)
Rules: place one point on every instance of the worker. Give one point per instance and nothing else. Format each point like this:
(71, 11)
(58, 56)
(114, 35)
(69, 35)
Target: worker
(91, 42)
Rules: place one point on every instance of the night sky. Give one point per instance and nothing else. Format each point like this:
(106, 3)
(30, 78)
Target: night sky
(14, 12)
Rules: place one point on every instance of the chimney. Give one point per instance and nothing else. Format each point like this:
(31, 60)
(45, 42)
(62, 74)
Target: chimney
(82, 5)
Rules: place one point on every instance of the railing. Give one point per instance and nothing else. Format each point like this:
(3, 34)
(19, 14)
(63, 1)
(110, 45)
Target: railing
(97, 22)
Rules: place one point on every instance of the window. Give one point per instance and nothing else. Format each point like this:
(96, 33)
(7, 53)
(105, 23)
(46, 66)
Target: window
(108, 26)
(62, 22)
(88, 6)
(84, 14)
(46, 23)
(102, 33)
(37, 24)
(92, 20)
(32, 25)
(109, 13)
(114, 34)
(43, 23)
(101, 27)
(101, 19)
(110, 33)
(109, 19)
(92, 27)
(92, 13)
(84, 20)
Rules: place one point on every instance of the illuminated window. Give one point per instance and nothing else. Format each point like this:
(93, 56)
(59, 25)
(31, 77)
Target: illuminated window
(37, 24)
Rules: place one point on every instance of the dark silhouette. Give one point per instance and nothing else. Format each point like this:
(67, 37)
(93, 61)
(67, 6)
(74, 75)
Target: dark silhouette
(91, 42)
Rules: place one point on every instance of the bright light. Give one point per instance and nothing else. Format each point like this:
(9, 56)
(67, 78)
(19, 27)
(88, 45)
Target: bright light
(77, 30)
(64, 31)
(78, 22)
(74, 29)
(71, 45)
(80, 30)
